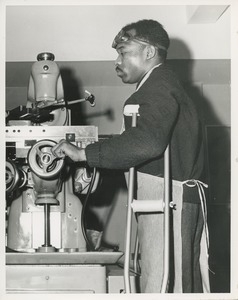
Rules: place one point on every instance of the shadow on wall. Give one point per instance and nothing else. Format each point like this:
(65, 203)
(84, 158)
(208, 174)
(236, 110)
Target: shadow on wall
(74, 90)
(217, 151)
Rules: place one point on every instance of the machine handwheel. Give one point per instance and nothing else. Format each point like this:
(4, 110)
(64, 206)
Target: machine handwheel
(42, 161)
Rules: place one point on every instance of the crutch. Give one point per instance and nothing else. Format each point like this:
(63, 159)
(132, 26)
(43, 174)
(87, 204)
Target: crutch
(161, 205)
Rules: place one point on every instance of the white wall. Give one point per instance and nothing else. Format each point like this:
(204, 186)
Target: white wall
(85, 32)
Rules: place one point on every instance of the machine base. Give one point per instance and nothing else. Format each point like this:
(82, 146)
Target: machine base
(115, 280)
(58, 272)
(55, 278)
(65, 258)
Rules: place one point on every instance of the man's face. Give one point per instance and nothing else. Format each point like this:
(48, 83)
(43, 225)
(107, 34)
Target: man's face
(131, 61)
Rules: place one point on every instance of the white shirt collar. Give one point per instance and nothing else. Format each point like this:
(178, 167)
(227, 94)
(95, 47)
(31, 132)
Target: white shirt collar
(146, 76)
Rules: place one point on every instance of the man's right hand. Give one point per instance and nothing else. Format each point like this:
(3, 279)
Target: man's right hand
(64, 148)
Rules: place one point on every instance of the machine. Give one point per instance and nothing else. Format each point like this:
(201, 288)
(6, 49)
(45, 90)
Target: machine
(47, 246)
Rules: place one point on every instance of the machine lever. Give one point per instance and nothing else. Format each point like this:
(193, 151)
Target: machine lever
(44, 104)
(89, 97)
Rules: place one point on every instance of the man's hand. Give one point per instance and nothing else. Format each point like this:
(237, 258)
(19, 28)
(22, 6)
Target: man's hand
(64, 148)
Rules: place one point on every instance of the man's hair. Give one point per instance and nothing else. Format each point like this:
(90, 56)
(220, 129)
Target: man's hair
(153, 32)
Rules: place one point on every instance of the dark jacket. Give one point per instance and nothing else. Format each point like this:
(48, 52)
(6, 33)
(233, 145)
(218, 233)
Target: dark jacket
(167, 115)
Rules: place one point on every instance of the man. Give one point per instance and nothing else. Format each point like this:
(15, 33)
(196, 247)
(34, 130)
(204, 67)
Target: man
(166, 116)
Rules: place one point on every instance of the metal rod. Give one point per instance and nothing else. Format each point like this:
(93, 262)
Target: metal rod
(47, 225)
(166, 220)
(76, 101)
(129, 219)
(136, 252)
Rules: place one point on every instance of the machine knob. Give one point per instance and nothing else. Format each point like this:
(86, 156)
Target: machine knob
(42, 161)
(45, 56)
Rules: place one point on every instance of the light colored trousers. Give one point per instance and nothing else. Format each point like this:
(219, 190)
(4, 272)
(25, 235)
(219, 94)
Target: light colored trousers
(188, 257)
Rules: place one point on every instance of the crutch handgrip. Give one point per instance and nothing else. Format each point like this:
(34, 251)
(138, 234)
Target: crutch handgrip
(131, 109)
(148, 205)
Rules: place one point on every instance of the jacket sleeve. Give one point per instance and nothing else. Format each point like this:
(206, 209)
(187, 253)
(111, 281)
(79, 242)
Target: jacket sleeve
(157, 117)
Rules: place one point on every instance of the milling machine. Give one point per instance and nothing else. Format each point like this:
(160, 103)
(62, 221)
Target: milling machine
(46, 242)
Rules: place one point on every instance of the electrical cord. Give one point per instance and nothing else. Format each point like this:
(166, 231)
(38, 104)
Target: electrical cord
(131, 269)
(83, 222)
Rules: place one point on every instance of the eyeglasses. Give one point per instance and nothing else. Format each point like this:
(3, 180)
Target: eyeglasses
(126, 36)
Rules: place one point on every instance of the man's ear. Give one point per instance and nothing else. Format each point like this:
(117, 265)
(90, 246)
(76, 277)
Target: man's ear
(151, 51)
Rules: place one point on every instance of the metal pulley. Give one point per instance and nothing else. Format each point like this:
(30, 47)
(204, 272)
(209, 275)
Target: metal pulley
(14, 177)
(42, 161)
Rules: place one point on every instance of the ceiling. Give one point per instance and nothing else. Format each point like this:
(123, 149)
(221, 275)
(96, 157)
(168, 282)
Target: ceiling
(85, 32)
